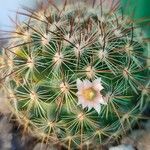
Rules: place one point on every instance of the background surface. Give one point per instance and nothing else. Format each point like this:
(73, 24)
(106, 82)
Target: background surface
(9, 7)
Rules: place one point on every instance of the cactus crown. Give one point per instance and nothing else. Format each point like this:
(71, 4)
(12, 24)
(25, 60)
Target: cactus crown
(75, 75)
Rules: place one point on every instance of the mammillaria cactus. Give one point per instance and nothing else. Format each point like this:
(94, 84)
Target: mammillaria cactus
(76, 74)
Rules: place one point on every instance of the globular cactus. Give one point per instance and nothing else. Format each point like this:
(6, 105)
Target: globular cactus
(76, 74)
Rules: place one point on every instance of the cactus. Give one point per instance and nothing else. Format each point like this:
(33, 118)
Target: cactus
(76, 74)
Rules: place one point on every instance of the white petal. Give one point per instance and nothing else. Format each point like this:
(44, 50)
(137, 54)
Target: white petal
(97, 108)
(98, 80)
(89, 104)
(97, 84)
(84, 105)
(99, 99)
(78, 103)
(82, 101)
(87, 83)
(89, 108)
(102, 101)
(79, 84)
(79, 93)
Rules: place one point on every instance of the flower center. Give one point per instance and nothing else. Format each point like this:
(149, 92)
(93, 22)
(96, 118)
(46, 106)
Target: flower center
(89, 94)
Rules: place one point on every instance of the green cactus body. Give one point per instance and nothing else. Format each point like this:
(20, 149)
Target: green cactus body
(76, 75)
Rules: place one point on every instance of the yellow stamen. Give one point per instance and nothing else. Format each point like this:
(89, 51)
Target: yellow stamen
(89, 94)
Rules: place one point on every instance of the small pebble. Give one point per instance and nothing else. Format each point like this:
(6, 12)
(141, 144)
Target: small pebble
(41, 146)
(4, 109)
(139, 138)
(5, 134)
(122, 147)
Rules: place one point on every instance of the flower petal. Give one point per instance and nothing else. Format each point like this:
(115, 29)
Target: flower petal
(97, 108)
(79, 93)
(79, 84)
(97, 84)
(102, 101)
(87, 84)
(82, 101)
(99, 99)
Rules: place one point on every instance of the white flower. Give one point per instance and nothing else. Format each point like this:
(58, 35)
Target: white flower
(89, 94)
